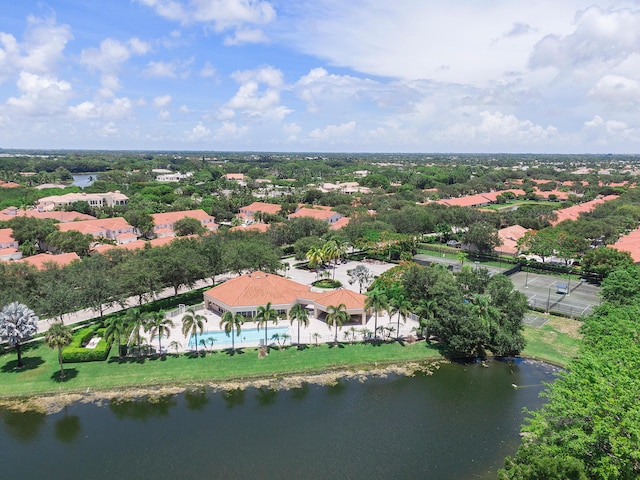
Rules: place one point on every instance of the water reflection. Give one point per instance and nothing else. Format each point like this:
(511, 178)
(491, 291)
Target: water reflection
(68, 428)
(233, 398)
(301, 392)
(196, 399)
(143, 408)
(266, 396)
(23, 426)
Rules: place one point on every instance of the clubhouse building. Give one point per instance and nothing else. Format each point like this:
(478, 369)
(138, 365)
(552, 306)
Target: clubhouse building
(244, 294)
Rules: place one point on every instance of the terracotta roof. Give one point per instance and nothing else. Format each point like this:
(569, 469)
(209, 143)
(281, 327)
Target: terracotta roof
(4, 184)
(63, 217)
(97, 227)
(318, 214)
(41, 260)
(270, 208)
(573, 212)
(260, 227)
(342, 222)
(234, 176)
(352, 300)
(558, 193)
(478, 199)
(630, 243)
(170, 218)
(258, 288)
(510, 236)
(6, 236)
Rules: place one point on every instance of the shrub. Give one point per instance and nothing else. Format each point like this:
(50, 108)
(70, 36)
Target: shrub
(75, 352)
(327, 283)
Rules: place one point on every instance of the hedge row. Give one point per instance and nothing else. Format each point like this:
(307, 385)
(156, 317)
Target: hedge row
(75, 352)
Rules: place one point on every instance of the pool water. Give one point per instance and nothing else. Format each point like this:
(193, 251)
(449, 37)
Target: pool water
(246, 337)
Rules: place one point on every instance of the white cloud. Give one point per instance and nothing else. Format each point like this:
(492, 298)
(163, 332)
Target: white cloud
(172, 69)
(43, 45)
(116, 109)
(246, 35)
(208, 70)
(609, 132)
(230, 131)
(111, 54)
(198, 133)
(162, 101)
(222, 14)
(331, 132)
(258, 95)
(41, 95)
(617, 90)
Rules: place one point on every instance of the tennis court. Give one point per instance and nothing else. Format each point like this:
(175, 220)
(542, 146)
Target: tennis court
(556, 294)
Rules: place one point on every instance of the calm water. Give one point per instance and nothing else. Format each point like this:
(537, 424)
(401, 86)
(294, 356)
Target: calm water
(84, 180)
(458, 423)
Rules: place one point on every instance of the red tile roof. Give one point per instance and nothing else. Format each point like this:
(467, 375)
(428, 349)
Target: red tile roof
(41, 260)
(630, 243)
(510, 236)
(573, 212)
(318, 214)
(478, 199)
(352, 300)
(264, 207)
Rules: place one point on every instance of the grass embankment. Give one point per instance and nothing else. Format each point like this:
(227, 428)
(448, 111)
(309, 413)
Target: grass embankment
(41, 373)
(556, 342)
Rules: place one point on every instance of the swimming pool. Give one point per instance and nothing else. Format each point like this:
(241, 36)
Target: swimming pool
(246, 337)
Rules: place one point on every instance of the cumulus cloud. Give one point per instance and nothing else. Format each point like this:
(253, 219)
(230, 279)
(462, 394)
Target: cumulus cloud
(617, 90)
(230, 131)
(221, 14)
(258, 95)
(172, 69)
(115, 109)
(41, 95)
(609, 132)
(162, 101)
(111, 54)
(198, 133)
(331, 132)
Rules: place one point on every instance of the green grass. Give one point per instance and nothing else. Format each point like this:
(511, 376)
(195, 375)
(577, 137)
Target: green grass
(41, 374)
(557, 342)
(511, 204)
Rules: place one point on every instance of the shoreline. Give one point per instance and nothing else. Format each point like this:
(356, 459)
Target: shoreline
(53, 402)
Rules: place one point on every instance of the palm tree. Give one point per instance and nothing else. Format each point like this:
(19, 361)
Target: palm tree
(337, 316)
(58, 336)
(299, 313)
(159, 325)
(116, 328)
(331, 252)
(175, 344)
(17, 324)
(376, 301)
(483, 309)
(265, 315)
(192, 323)
(137, 321)
(316, 336)
(427, 310)
(315, 255)
(400, 305)
(232, 324)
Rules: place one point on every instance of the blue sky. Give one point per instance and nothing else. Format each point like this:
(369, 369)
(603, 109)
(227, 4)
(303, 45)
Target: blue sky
(322, 75)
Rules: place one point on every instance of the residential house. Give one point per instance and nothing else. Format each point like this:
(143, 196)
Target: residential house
(43, 260)
(96, 200)
(319, 213)
(244, 294)
(164, 222)
(248, 213)
(8, 245)
(573, 212)
(509, 237)
(117, 229)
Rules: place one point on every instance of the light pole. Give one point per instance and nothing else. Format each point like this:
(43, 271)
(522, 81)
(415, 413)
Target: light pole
(526, 279)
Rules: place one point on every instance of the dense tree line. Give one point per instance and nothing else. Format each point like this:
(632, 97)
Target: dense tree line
(98, 281)
(590, 426)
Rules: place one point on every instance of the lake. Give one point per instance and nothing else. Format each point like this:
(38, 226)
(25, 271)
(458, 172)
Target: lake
(458, 423)
(84, 179)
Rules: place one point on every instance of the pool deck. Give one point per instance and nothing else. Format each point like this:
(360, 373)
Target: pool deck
(317, 331)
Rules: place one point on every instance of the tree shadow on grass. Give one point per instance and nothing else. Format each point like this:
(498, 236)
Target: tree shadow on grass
(30, 363)
(302, 346)
(139, 360)
(69, 374)
(336, 345)
(231, 352)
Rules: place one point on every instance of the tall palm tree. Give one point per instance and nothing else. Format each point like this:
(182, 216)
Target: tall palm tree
(315, 255)
(159, 325)
(427, 311)
(137, 321)
(232, 324)
(192, 323)
(58, 336)
(265, 315)
(116, 329)
(482, 308)
(18, 323)
(331, 253)
(337, 316)
(378, 302)
(300, 314)
(400, 305)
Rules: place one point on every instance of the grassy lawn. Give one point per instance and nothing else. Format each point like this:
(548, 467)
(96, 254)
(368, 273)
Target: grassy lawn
(509, 205)
(556, 342)
(41, 374)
